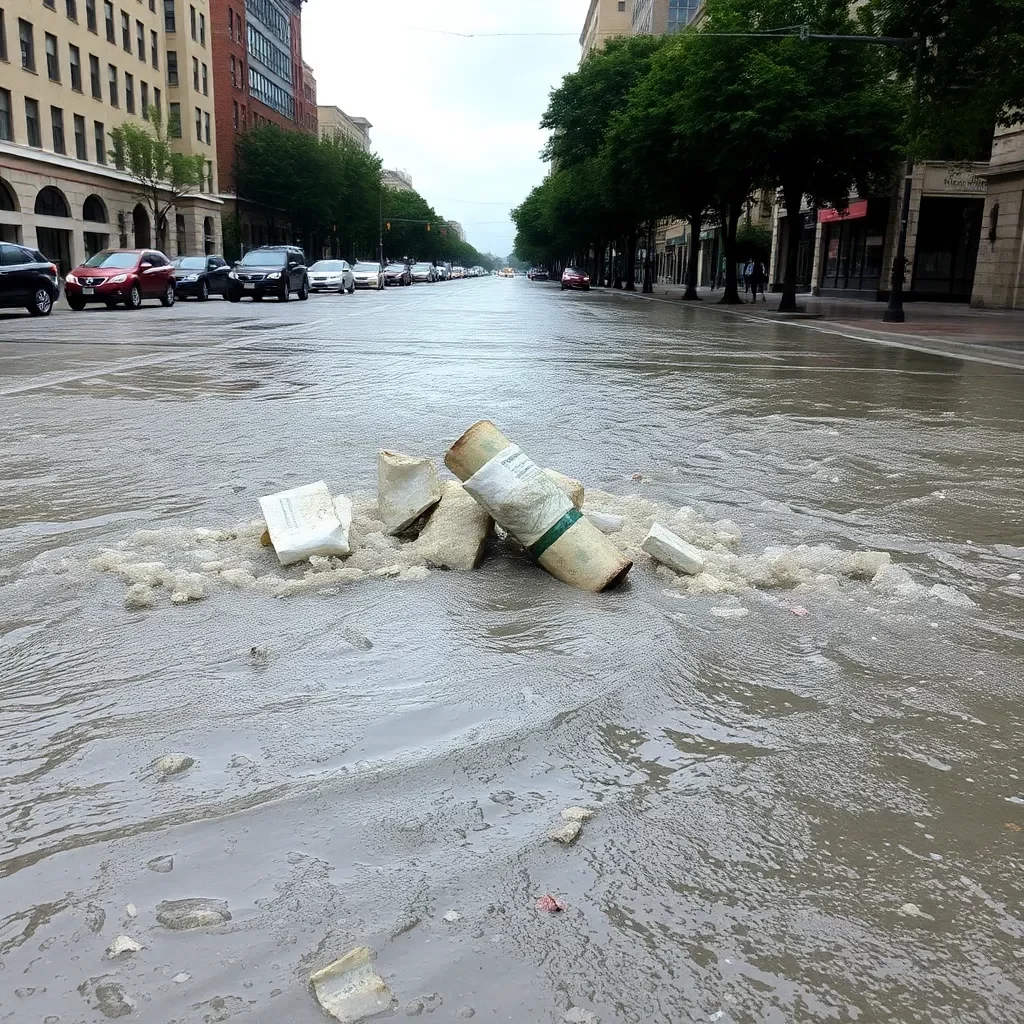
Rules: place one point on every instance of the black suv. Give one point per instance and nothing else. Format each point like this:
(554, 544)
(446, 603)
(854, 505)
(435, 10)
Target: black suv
(27, 280)
(273, 270)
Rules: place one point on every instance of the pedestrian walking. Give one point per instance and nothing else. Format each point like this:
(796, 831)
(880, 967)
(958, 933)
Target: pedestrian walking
(757, 280)
(748, 270)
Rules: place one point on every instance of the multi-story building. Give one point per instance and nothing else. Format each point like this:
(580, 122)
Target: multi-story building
(999, 277)
(457, 229)
(308, 107)
(334, 123)
(70, 72)
(400, 180)
(605, 20)
(663, 17)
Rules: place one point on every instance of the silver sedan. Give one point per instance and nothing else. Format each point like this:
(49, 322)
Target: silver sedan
(369, 275)
(331, 276)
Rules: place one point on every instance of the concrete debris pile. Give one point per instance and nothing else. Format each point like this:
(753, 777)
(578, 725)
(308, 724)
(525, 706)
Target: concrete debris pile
(418, 522)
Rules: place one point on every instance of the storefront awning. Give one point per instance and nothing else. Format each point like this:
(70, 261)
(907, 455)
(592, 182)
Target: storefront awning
(853, 212)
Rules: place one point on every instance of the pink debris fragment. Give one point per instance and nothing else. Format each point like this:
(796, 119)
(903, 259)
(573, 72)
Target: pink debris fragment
(551, 904)
(800, 612)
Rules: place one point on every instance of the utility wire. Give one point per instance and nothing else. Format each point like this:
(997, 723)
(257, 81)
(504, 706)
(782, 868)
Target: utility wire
(494, 35)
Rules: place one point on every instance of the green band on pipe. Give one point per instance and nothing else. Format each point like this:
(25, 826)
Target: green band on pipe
(574, 515)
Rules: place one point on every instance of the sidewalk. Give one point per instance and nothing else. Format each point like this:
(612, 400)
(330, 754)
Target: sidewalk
(988, 335)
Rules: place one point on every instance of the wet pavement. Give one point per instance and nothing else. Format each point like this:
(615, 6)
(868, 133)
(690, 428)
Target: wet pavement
(800, 817)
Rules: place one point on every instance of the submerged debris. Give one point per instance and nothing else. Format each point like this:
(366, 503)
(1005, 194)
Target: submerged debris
(121, 946)
(171, 764)
(567, 834)
(349, 989)
(182, 915)
(551, 904)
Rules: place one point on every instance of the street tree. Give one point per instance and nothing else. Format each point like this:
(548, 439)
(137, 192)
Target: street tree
(162, 177)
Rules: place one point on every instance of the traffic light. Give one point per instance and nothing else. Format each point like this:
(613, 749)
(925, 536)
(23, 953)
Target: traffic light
(387, 226)
(428, 227)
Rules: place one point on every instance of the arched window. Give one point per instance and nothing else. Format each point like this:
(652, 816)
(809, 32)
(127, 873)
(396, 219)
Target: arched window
(51, 203)
(95, 210)
(8, 201)
(140, 221)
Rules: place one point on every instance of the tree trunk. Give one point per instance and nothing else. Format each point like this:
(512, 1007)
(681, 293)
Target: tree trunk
(730, 223)
(692, 260)
(631, 260)
(648, 260)
(599, 277)
(793, 193)
(618, 263)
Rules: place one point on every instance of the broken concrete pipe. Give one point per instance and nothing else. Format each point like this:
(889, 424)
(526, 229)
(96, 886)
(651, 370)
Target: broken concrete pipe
(407, 487)
(524, 500)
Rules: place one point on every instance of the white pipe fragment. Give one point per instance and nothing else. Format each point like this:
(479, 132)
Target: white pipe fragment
(665, 547)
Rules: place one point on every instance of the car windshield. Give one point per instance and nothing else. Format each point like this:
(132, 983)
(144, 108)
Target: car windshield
(326, 265)
(373, 268)
(190, 263)
(396, 266)
(264, 259)
(113, 260)
(421, 266)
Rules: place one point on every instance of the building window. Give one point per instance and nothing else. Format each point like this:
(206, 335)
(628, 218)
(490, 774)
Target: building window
(152, 5)
(28, 46)
(192, 18)
(140, 41)
(80, 149)
(108, 19)
(144, 100)
(156, 101)
(206, 83)
(129, 93)
(90, 15)
(94, 77)
(169, 20)
(57, 124)
(199, 125)
(71, 7)
(195, 73)
(52, 60)
(32, 123)
(179, 231)
(154, 50)
(206, 127)
(172, 68)
(243, 117)
(681, 13)
(6, 126)
(270, 54)
(52, 4)
(174, 120)
(75, 56)
(270, 93)
(231, 23)
(3, 36)
(126, 32)
(202, 29)
(112, 80)
(100, 135)
(234, 73)
(267, 12)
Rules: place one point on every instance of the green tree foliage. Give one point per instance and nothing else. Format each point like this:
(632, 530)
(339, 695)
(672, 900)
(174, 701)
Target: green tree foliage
(162, 177)
(415, 230)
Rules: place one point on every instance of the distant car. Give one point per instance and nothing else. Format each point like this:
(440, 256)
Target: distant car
(444, 271)
(397, 274)
(573, 277)
(538, 274)
(458, 273)
(121, 275)
(27, 279)
(423, 272)
(331, 276)
(368, 275)
(200, 276)
(271, 271)
(507, 272)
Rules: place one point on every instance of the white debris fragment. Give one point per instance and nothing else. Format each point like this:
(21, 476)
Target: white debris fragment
(181, 978)
(567, 834)
(172, 764)
(950, 595)
(913, 910)
(407, 486)
(456, 532)
(121, 946)
(350, 990)
(572, 489)
(665, 547)
(605, 521)
(730, 613)
(307, 521)
(577, 1015)
(139, 596)
(182, 915)
(131, 910)
(452, 916)
(578, 813)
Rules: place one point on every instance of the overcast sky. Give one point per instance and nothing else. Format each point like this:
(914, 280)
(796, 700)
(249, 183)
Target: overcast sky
(460, 115)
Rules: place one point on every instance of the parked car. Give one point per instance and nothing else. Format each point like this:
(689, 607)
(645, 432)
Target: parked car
(28, 280)
(444, 271)
(368, 275)
(201, 276)
(537, 274)
(273, 270)
(423, 272)
(331, 276)
(121, 275)
(573, 277)
(397, 273)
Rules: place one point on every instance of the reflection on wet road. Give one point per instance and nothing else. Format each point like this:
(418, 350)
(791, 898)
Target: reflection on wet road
(800, 817)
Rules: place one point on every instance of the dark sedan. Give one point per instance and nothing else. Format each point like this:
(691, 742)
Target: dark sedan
(200, 276)
(397, 273)
(27, 279)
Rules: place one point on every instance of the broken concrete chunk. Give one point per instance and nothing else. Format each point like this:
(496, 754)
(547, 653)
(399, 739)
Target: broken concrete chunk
(572, 489)
(605, 521)
(139, 596)
(578, 814)
(181, 915)
(161, 865)
(172, 764)
(567, 834)
(307, 521)
(350, 990)
(407, 486)
(122, 945)
(665, 547)
(455, 536)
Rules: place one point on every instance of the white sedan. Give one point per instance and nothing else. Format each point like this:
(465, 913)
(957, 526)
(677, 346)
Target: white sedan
(369, 275)
(331, 276)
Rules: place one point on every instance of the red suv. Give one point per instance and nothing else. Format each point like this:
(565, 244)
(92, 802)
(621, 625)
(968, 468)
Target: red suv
(121, 275)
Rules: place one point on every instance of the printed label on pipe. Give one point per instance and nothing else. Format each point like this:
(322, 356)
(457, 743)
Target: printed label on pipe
(518, 495)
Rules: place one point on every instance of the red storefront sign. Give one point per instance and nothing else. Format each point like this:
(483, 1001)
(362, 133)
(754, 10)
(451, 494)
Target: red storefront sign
(856, 209)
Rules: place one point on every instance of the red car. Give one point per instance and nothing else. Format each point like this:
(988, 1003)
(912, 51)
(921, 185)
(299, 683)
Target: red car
(573, 277)
(121, 275)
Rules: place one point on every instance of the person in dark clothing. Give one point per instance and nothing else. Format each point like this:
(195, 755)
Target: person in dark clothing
(758, 277)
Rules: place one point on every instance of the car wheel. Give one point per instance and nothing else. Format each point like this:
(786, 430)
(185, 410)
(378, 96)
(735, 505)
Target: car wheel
(42, 304)
(204, 291)
(285, 293)
(304, 291)
(134, 300)
(76, 303)
(168, 297)
(563, 287)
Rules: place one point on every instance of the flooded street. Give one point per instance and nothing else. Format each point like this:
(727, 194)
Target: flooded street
(800, 817)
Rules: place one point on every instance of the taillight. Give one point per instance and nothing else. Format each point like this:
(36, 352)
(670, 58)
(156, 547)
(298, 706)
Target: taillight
(53, 269)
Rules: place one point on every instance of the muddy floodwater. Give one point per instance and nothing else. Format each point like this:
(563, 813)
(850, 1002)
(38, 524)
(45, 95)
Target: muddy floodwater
(805, 763)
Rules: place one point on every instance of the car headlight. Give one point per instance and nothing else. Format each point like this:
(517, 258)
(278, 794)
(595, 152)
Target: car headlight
(120, 279)
(71, 279)
(275, 276)
(232, 275)
(191, 277)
